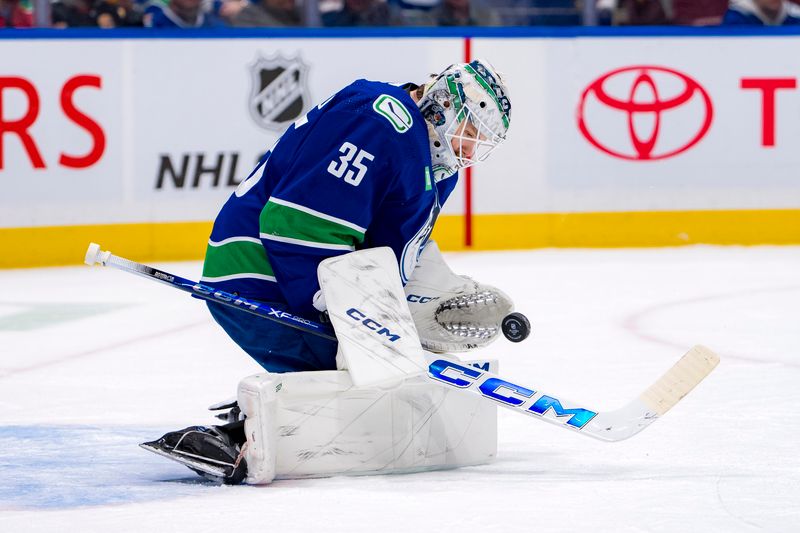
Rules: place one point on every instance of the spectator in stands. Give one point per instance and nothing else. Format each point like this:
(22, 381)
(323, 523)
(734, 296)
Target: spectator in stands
(228, 9)
(464, 13)
(452, 13)
(360, 13)
(699, 12)
(407, 11)
(643, 12)
(179, 14)
(118, 14)
(761, 13)
(271, 13)
(73, 14)
(15, 14)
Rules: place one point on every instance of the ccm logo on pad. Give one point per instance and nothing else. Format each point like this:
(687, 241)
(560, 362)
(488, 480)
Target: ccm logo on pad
(417, 299)
(378, 328)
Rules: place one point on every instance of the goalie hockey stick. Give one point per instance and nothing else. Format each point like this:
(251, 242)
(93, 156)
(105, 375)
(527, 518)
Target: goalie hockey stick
(610, 426)
(95, 256)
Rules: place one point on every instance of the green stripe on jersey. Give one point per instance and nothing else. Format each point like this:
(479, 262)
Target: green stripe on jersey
(292, 221)
(236, 258)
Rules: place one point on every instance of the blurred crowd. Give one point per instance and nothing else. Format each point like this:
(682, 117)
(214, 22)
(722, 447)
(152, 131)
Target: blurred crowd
(408, 13)
(700, 12)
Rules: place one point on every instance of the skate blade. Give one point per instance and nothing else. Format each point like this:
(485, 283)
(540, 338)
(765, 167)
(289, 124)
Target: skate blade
(186, 461)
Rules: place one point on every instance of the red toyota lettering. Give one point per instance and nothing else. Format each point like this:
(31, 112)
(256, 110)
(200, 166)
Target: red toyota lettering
(82, 120)
(20, 126)
(768, 87)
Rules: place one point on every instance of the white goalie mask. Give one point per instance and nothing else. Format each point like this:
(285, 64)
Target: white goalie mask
(467, 111)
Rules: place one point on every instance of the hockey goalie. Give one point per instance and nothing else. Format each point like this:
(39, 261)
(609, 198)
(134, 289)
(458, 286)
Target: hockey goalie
(367, 169)
(334, 224)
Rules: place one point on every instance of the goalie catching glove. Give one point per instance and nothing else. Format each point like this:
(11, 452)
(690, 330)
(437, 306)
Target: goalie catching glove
(453, 313)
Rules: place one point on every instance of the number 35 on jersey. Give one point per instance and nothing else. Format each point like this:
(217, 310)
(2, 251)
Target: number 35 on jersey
(351, 165)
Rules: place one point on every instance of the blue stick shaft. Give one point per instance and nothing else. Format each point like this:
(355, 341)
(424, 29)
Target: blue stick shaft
(198, 290)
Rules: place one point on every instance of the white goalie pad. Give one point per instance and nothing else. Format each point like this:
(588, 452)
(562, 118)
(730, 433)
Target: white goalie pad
(378, 341)
(453, 313)
(317, 424)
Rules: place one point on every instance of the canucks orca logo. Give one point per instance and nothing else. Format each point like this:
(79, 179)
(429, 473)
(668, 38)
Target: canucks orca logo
(278, 93)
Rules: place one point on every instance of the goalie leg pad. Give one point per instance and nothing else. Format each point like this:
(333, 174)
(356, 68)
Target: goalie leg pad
(317, 424)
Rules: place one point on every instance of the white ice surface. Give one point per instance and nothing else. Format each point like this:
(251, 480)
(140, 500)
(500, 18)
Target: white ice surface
(93, 361)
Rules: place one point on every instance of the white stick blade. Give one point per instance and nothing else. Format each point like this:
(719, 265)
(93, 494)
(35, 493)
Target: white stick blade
(679, 380)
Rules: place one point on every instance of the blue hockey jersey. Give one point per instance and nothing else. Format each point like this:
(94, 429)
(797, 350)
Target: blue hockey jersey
(354, 173)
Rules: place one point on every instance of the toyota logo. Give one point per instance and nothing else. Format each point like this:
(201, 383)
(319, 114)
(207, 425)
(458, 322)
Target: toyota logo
(644, 113)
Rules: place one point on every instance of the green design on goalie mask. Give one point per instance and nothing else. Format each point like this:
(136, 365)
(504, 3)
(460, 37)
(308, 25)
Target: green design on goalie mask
(467, 112)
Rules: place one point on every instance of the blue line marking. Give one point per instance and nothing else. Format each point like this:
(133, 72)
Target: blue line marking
(61, 467)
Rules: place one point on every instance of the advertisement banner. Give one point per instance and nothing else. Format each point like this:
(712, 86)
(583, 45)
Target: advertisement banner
(629, 124)
(163, 131)
(62, 146)
(614, 140)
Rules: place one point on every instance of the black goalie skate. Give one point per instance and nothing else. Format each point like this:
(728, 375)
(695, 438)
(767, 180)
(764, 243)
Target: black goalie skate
(209, 451)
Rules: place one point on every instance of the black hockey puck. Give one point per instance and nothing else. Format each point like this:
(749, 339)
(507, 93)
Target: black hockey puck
(516, 327)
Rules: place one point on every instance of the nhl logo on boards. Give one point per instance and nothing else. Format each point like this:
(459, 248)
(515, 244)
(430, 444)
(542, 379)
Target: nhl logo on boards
(279, 92)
